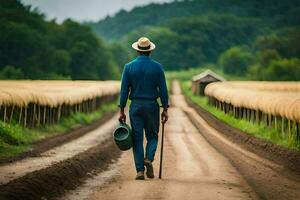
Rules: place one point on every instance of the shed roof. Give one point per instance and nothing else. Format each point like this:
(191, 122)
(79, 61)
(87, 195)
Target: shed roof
(207, 73)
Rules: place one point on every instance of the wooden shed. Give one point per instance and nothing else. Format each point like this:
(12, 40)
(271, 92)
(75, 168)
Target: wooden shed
(200, 81)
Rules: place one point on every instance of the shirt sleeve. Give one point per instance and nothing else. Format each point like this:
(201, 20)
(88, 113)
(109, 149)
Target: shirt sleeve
(163, 91)
(125, 86)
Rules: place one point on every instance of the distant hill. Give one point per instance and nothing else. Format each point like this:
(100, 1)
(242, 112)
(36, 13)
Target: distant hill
(273, 12)
(258, 39)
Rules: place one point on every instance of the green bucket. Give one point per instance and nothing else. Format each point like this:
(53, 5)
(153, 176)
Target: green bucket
(123, 136)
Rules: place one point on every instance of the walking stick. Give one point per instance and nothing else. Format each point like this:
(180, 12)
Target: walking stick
(161, 150)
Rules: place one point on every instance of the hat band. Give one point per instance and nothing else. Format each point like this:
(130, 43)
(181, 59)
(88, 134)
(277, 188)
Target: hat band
(144, 48)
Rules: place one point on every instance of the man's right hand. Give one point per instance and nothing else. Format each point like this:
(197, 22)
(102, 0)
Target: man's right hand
(122, 118)
(164, 116)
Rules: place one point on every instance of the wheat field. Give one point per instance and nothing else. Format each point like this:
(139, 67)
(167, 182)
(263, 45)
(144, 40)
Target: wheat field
(276, 104)
(33, 103)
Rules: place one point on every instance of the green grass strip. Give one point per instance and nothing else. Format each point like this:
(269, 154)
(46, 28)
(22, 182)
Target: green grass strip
(15, 139)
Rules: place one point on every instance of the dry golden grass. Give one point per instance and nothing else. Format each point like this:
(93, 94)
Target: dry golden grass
(275, 98)
(54, 93)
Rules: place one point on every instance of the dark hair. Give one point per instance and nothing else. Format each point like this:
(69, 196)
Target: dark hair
(144, 53)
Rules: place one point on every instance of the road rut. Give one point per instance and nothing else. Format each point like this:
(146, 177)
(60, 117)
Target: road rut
(14, 170)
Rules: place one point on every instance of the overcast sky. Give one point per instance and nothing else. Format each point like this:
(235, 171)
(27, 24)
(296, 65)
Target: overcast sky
(84, 10)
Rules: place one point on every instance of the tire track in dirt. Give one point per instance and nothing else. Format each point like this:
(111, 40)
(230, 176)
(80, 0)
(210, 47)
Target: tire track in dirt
(55, 180)
(11, 171)
(62, 168)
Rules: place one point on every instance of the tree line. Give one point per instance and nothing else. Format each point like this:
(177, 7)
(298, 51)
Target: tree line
(33, 48)
(273, 56)
(275, 12)
(255, 39)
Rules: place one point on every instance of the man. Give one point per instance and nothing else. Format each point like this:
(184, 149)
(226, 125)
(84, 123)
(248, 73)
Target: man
(143, 79)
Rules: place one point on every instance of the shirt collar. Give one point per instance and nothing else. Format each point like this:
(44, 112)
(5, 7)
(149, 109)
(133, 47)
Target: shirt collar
(143, 57)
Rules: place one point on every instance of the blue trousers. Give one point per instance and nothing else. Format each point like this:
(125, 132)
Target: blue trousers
(144, 116)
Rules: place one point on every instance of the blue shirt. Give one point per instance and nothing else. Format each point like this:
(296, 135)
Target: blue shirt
(144, 79)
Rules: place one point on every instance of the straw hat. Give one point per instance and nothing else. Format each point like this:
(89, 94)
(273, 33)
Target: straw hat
(143, 44)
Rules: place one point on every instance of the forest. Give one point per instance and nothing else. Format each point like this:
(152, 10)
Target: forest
(257, 40)
(33, 48)
(254, 39)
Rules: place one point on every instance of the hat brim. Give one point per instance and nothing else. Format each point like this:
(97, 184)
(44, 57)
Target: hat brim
(136, 47)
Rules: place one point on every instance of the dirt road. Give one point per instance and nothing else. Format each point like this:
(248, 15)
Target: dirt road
(193, 169)
(200, 162)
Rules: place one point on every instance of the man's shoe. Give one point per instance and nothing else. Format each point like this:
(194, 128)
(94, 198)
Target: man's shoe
(149, 167)
(140, 176)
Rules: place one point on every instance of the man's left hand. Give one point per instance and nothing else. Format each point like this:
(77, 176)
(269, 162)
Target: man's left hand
(122, 118)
